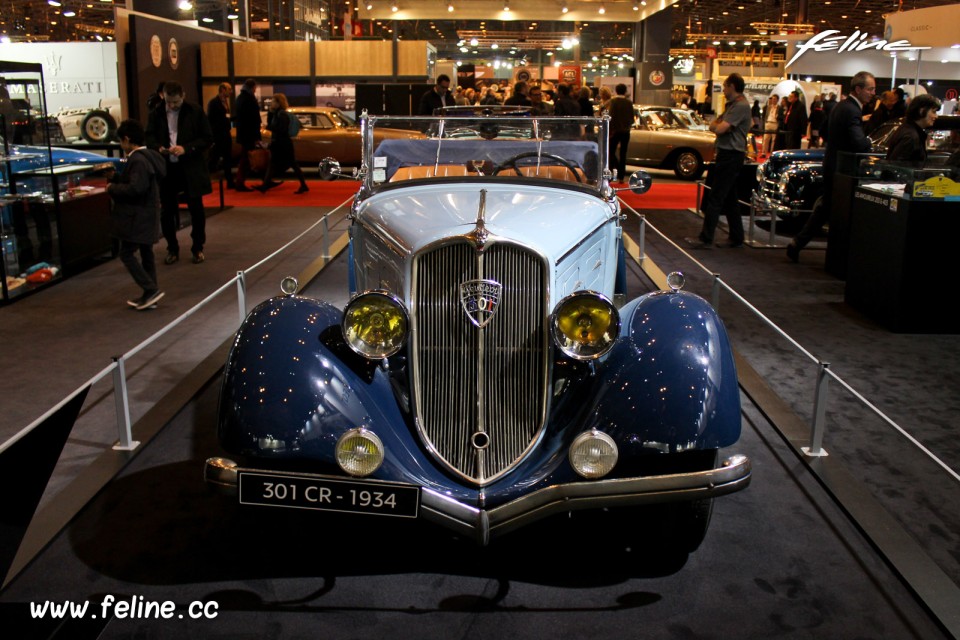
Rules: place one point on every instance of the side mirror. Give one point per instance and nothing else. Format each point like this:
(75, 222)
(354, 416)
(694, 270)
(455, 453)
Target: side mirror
(640, 182)
(329, 169)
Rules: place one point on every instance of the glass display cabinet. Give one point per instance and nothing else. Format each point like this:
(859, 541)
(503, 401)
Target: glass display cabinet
(54, 210)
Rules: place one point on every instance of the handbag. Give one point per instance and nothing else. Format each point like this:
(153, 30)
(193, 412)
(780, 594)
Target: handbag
(259, 159)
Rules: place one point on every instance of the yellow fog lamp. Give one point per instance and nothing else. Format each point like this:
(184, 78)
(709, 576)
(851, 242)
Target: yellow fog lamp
(593, 454)
(375, 324)
(359, 452)
(585, 325)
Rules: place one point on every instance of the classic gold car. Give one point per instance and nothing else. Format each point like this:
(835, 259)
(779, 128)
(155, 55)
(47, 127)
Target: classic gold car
(670, 138)
(326, 132)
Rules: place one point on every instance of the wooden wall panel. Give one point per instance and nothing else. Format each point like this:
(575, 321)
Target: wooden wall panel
(412, 58)
(213, 59)
(354, 58)
(267, 60)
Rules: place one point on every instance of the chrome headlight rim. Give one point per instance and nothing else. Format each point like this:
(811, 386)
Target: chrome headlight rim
(341, 452)
(593, 470)
(356, 345)
(592, 352)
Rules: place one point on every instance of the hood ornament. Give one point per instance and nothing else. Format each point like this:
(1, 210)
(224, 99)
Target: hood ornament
(480, 300)
(479, 234)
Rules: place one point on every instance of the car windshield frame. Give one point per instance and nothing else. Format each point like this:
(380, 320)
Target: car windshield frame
(555, 151)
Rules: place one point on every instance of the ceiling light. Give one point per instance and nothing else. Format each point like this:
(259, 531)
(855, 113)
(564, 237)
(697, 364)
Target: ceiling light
(450, 7)
(232, 16)
(506, 6)
(602, 10)
(53, 3)
(208, 19)
(564, 9)
(474, 42)
(369, 6)
(69, 14)
(636, 7)
(185, 5)
(643, 3)
(494, 46)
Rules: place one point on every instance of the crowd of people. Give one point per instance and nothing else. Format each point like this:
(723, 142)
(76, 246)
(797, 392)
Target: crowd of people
(171, 158)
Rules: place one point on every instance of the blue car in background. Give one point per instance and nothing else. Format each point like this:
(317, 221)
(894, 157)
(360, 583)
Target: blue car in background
(483, 375)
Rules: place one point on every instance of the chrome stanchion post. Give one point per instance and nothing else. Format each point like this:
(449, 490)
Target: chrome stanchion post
(242, 294)
(715, 294)
(753, 219)
(643, 236)
(326, 237)
(696, 205)
(773, 228)
(815, 449)
(126, 442)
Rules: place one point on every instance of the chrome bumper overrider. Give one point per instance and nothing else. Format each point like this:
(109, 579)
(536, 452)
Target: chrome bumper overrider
(732, 475)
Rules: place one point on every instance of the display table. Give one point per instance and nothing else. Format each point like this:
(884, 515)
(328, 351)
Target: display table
(902, 261)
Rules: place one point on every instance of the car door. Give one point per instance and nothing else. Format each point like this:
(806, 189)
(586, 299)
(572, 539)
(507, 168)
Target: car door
(642, 138)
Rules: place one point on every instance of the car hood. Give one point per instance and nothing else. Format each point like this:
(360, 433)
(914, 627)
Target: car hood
(548, 220)
(780, 160)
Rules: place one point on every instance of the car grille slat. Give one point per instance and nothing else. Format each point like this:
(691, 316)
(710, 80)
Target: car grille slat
(469, 379)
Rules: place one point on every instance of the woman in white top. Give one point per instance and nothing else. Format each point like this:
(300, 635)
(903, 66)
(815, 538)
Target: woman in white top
(770, 123)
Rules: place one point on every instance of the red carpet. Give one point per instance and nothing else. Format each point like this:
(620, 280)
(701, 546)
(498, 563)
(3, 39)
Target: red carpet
(321, 194)
(331, 194)
(663, 196)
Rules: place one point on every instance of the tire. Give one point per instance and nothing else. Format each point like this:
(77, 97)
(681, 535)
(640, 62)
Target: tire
(98, 126)
(687, 164)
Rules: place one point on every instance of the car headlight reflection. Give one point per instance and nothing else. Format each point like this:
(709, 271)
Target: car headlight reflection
(359, 452)
(585, 325)
(375, 324)
(593, 454)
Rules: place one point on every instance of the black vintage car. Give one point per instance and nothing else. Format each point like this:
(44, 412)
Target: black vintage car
(790, 182)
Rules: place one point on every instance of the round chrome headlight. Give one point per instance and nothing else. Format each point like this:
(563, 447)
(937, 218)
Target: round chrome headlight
(593, 454)
(585, 325)
(359, 452)
(375, 324)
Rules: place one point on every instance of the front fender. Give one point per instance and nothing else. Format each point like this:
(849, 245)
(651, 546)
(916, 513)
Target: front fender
(669, 384)
(288, 390)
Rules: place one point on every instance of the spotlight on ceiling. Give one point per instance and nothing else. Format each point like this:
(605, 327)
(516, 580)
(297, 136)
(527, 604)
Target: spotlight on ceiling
(506, 6)
(450, 7)
(394, 7)
(602, 10)
(564, 9)
(185, 5)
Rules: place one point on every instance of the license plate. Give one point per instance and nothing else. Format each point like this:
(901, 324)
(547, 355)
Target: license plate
(328, 494)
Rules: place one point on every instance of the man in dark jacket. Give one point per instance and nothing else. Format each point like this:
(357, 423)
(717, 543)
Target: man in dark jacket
(436, 97)
(794, 121)
(218, 112)
(181, 133)
(247, 124)
(846, 134)
(135, 216)
(620, 109)
(519, 97)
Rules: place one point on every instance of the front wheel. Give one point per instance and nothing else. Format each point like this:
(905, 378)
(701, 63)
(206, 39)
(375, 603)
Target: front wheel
(98, 126)
(688, 165)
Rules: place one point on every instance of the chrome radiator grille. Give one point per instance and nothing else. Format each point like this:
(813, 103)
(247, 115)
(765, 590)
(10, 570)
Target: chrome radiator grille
(479, 393)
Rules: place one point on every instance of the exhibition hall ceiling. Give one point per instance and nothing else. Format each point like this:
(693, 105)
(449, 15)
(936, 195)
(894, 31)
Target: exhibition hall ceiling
(694, 21)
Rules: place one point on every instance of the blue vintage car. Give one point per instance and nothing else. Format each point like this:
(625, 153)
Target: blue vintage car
(481, 377)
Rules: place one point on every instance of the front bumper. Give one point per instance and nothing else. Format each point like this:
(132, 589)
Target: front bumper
(732, 475)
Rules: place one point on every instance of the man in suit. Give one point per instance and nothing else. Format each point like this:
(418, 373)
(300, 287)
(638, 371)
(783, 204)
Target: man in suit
(247, 124)
(180, 131)
(846, 134)
(794, 121)
(437, 97)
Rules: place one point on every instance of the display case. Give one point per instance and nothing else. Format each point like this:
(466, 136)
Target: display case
(932, 180)
(54, 209)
